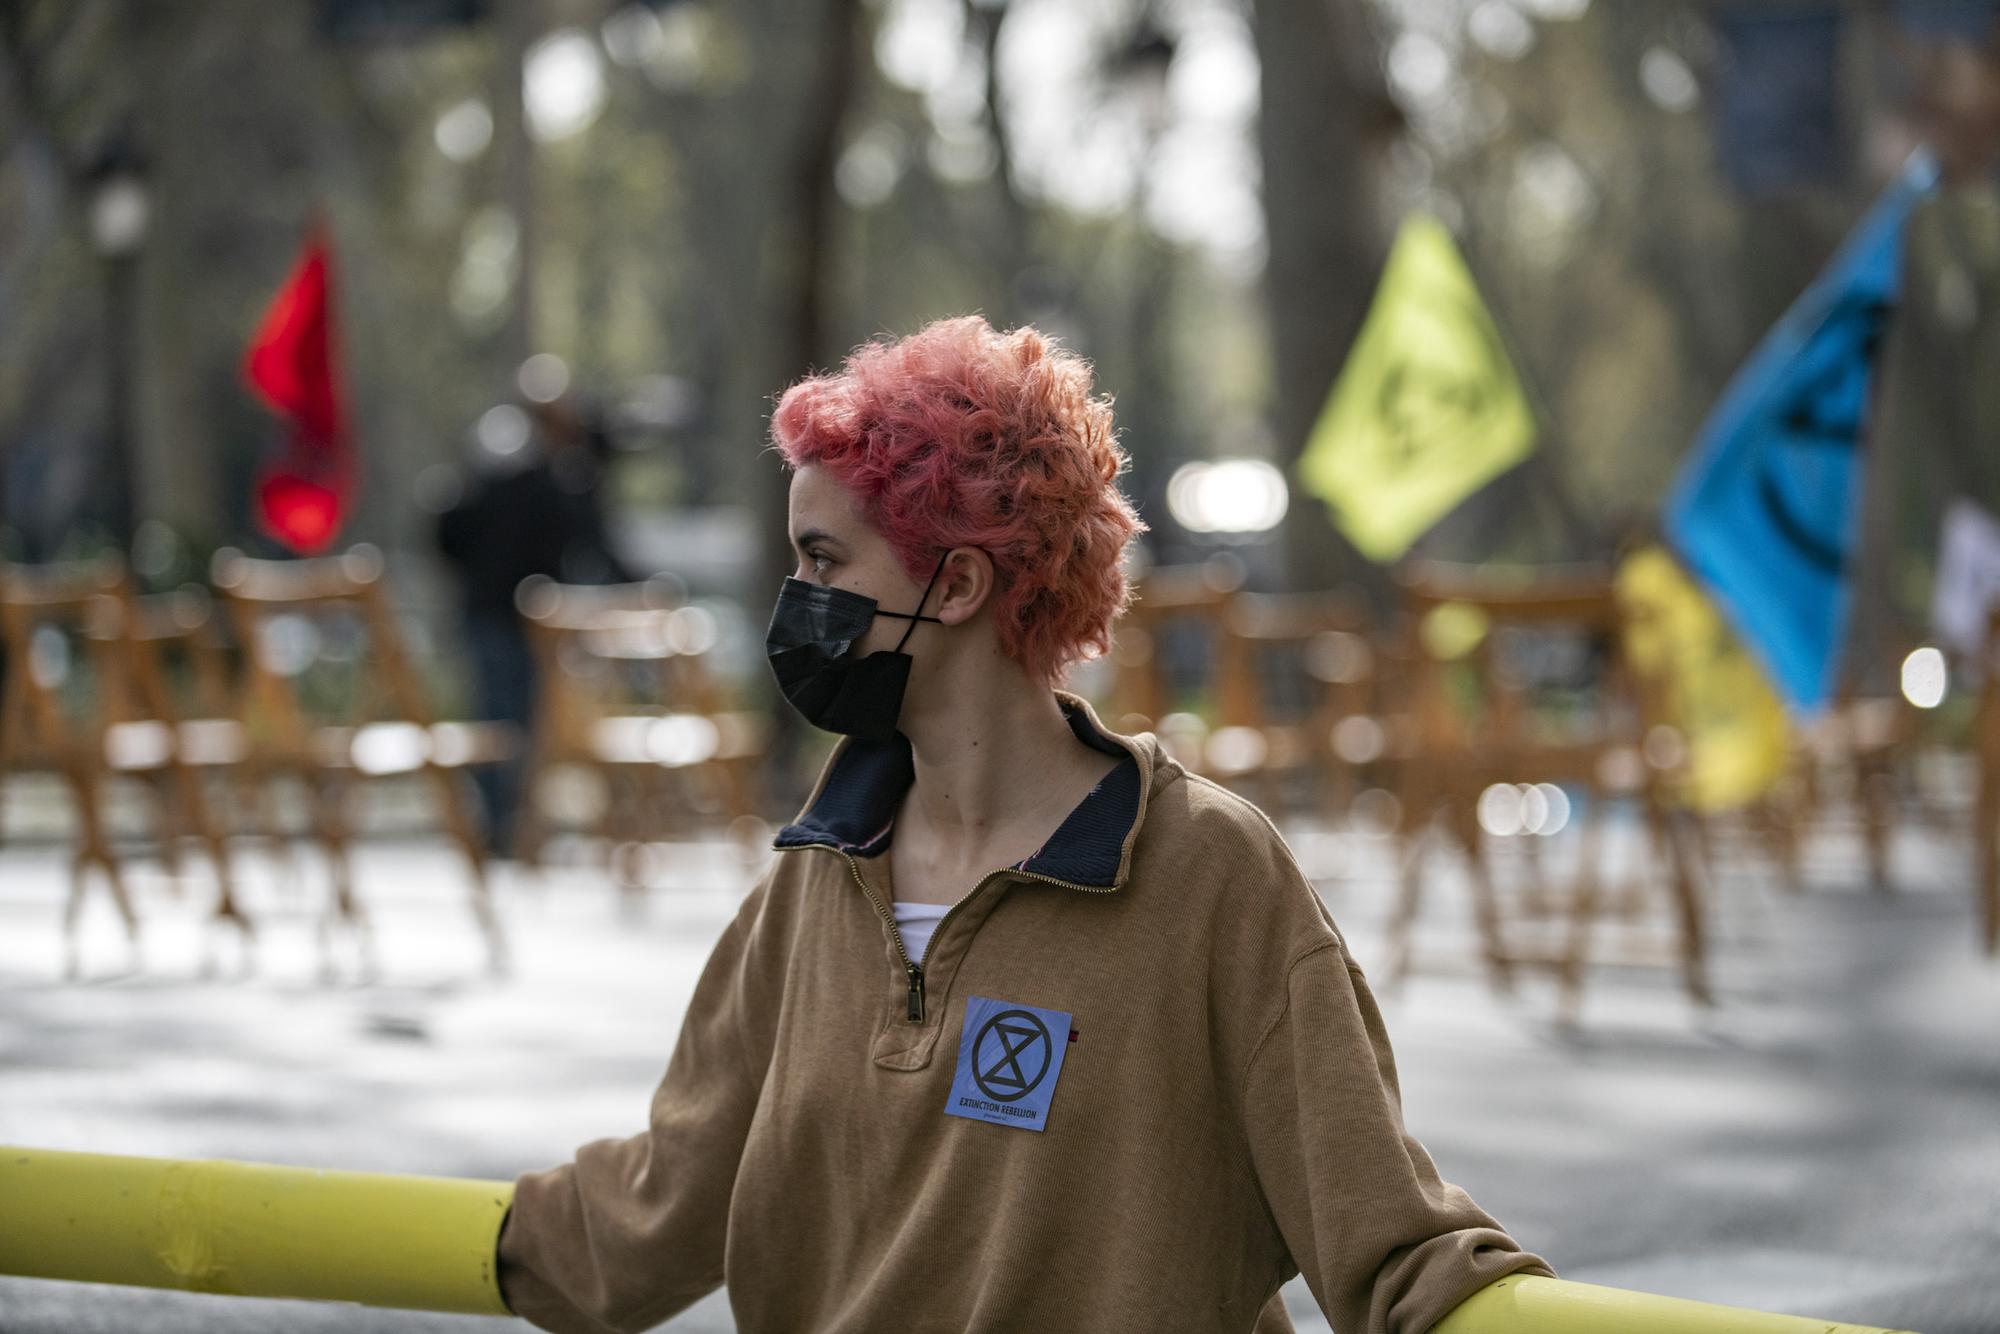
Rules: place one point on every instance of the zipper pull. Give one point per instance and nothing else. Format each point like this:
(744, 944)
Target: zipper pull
(916, 994)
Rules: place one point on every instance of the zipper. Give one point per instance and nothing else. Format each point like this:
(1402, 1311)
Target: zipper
(913, 969)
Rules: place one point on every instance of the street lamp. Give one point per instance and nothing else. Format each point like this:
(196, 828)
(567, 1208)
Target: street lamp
(120, 208)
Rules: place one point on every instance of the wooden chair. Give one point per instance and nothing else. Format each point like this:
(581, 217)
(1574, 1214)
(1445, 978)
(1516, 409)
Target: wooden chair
(1303, 695)
(87, 701)
(1167, 601)
(1286, 689)
(626, 689)
(1863, 740)
(1174, 607)
(1485, 725)
(201, 663)
(329, 720)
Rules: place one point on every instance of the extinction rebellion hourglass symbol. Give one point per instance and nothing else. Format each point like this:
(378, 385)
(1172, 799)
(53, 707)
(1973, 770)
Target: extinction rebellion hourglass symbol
(1011, 1055)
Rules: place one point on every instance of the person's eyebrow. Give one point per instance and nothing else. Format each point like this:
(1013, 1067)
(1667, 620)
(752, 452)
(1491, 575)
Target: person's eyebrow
(812, 535)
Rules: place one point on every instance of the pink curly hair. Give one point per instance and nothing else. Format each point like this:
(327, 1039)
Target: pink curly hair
(960, 435)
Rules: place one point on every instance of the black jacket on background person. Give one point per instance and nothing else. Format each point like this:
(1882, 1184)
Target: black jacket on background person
(543, 518)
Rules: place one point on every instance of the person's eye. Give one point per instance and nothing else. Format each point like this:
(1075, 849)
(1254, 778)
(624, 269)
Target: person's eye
(819, 562)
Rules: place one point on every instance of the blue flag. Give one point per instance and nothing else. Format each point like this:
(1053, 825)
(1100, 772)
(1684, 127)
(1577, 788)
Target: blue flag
(1764, 509)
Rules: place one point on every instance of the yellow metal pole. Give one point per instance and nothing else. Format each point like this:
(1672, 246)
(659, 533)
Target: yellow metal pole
(251, 1230)
(427, 1243)
(1530, 1305)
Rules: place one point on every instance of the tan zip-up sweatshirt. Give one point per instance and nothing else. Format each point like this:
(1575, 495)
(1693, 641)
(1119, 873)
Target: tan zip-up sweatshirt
(852, 1140)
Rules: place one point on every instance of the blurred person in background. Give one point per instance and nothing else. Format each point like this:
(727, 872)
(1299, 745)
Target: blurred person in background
(528, 502)
(1027, 1027)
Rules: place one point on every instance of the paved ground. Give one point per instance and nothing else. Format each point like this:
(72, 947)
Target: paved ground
(1827, 1141)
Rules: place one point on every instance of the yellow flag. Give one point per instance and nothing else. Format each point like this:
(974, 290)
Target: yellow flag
(1428, 407)
(1714, 693)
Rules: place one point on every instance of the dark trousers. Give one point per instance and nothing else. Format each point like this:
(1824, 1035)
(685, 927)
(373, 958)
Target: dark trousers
(503, 691)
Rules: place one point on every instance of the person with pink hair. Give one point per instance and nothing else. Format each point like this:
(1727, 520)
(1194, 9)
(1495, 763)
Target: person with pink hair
(1027, 1027)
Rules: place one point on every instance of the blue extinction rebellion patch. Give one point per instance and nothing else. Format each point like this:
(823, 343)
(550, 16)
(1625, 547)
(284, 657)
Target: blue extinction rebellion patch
(1009, 1058)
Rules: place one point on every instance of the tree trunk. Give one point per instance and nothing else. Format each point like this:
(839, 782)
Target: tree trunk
(1325, 117)
(517, 26)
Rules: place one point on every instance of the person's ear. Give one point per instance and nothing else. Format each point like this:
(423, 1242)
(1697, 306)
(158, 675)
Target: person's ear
(964, 585)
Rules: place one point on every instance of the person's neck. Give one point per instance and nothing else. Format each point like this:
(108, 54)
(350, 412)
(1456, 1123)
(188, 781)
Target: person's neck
(990, 756)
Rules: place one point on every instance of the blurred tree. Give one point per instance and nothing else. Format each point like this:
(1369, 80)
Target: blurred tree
(727, 195)
(1327, 121)
(58, 109)
(1938, 407)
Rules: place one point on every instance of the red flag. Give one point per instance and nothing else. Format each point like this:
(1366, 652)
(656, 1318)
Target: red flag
(303, 495)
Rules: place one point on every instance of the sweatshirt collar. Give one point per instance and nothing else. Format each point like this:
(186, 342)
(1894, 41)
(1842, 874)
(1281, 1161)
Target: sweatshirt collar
(853, 808)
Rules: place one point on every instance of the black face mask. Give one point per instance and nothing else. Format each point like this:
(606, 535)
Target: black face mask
(810, 643)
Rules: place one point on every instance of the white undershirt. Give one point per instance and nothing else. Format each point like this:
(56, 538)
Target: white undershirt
(916, 922)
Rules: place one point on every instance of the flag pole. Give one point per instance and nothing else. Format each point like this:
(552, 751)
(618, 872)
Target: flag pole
(1554, 442)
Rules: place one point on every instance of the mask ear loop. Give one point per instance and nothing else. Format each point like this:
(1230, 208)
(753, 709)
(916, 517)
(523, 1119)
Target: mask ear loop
(920, 604)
